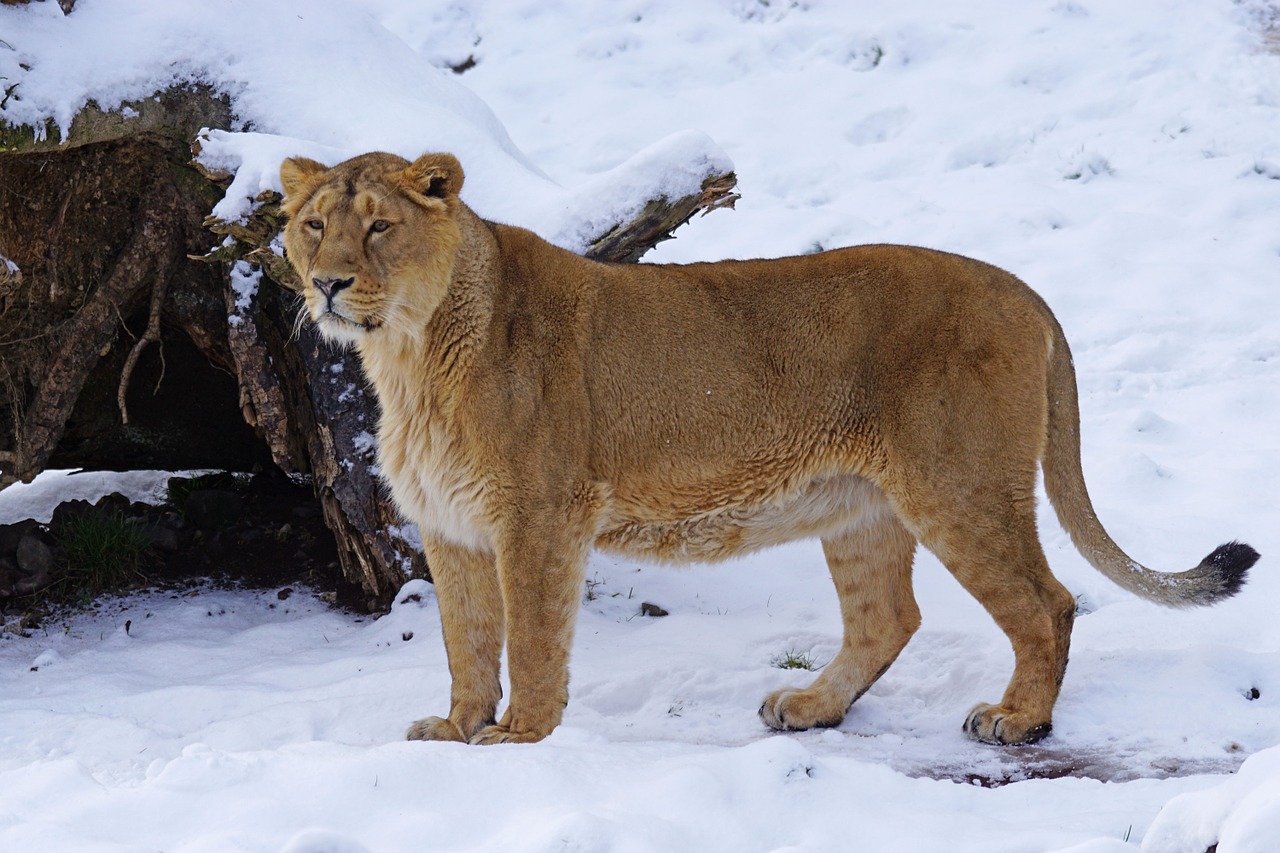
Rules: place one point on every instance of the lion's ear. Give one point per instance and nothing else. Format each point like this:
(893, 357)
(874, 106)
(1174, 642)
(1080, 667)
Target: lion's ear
(435, 175)
(298, 175)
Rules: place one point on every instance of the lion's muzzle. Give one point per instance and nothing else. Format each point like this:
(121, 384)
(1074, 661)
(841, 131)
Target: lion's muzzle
(329, 287)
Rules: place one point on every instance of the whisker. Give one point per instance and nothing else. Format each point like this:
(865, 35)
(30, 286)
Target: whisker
(301, 315)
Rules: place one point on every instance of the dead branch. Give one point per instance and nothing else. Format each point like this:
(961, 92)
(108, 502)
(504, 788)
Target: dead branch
(627, 241)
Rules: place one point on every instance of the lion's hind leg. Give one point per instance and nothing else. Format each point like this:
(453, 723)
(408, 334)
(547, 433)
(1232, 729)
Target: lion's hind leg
(993, 550)
(871, 567)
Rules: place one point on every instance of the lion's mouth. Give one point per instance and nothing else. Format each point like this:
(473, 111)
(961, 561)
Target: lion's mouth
(341, 321)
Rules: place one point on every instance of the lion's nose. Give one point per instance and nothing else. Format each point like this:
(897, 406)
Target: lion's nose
(330, 286)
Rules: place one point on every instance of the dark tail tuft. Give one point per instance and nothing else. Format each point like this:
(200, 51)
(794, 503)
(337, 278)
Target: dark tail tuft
(1229, 563)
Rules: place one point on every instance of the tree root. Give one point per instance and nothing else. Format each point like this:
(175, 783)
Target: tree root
(151, 254)
(151, 335)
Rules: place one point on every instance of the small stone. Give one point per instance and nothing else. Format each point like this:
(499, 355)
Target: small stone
(284, 593)
(161, 536)
(8, 577)
(68, 510)
(11, 535)
(214, 509)
(34, 557)
(648, 609)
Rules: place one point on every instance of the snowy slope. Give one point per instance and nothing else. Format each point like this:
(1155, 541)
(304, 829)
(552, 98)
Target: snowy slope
(1121, 157)
(272, 58)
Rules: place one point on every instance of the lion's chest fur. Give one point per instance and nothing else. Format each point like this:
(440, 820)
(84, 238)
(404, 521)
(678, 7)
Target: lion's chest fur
(432, 482)
(435, 483)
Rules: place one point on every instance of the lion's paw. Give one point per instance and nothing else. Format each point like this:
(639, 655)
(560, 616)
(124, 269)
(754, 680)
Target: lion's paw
(435, 728)
(791, 710)
(503, 734)
(997, 725)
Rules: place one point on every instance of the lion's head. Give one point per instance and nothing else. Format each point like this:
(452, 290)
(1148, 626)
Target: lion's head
(373, 240)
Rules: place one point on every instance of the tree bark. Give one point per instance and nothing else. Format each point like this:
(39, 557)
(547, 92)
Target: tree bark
(97, 239)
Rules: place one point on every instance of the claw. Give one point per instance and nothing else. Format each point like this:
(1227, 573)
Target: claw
(976, 726)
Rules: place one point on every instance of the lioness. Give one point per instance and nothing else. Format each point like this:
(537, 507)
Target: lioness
(536, 405)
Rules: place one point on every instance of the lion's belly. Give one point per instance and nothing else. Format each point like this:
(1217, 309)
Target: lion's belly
(825, 505)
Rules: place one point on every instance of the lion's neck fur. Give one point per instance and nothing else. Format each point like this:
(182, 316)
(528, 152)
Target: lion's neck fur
(419, 372)
(441, 330)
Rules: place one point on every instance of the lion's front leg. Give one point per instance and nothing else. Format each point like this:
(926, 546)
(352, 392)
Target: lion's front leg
(466, 583)
(540, 569)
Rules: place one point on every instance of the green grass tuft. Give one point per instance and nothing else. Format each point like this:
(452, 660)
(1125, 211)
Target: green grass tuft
(104, 552)
(794, 660)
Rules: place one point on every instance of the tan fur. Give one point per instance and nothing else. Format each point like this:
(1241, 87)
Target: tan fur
(536, 405)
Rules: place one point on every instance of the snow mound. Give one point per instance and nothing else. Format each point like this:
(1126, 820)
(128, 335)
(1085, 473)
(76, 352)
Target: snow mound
(1240, 815)
(39, 498)
(289, 96)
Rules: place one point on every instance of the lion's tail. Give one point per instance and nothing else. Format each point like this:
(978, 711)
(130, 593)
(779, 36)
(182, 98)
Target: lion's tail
(1219, 575)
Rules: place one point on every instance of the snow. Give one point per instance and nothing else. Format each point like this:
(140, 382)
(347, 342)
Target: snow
(272, 59)
(245, 278)
(38, 498)
(1244, 812)
(1120, 157)
(365, 443)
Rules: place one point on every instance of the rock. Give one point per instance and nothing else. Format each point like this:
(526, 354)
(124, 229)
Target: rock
(8, 577)
(251, 536)
(647, 609)
(161, 536)
(69, 510)
(214, 509)
(26, 586)
(12, 534)
(35, 558)
(114, 502)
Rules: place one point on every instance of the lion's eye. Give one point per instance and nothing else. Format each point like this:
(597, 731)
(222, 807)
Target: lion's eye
(379, 225)
(315, 224)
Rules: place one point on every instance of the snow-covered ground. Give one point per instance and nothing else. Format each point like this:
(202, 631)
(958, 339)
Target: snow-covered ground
(1123, 158)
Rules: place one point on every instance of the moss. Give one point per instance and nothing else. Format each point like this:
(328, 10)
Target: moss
(23, 137)
(178, 113)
